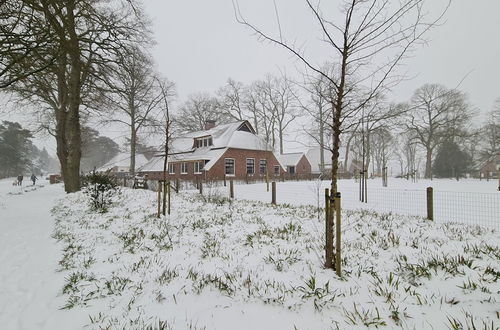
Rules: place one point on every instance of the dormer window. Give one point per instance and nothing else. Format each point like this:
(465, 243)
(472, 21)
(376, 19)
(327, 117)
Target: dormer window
(203, 142)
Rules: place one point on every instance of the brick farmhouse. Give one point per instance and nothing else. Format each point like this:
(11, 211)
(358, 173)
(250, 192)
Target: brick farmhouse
(230, 150)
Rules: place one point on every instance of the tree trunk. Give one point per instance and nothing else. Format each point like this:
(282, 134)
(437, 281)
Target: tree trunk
(133, 138)
(428, 164)
(281, 139)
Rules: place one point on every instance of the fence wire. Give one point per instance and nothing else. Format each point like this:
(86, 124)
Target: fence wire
(472, 208)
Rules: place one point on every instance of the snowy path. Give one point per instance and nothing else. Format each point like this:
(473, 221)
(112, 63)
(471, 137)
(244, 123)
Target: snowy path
(29, 283)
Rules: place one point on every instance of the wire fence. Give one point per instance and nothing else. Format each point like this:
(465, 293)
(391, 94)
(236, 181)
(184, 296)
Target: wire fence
(472, 208)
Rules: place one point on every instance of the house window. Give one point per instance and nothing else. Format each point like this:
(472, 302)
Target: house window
(171, 168)
(184, 168)
(198, 167)
(229, 166)
(250, 166)
(276, 169)
(290, 169)
(263, 166)
(203, 142)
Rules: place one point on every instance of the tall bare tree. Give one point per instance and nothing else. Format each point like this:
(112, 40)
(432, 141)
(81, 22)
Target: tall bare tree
(366, 46)
(133, 94)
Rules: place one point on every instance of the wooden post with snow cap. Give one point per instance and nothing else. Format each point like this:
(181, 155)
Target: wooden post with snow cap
(273, 193)
(231, 188)
(430, 203)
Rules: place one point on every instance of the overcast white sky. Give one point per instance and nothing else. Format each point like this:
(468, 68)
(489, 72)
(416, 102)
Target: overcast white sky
(200, 45)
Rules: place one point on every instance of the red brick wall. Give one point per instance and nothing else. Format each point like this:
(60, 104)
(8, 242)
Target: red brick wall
(490, 168)
(216, 172)
(177, 175)
(240, 158)
(303, 166)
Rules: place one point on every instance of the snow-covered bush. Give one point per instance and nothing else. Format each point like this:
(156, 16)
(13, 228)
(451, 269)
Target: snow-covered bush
(100, 189)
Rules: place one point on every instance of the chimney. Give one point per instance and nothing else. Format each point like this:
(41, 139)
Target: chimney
(209, 124)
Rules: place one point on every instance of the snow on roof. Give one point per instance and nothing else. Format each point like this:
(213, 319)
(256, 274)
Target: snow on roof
(313, 155)
(238, 135)
(290, 159)
(123, 160)
(156, 163)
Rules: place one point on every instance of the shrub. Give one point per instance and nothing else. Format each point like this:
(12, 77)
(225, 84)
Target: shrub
(100, 189)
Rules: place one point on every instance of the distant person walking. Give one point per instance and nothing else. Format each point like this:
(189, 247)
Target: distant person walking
(33, 178)
(19, 180)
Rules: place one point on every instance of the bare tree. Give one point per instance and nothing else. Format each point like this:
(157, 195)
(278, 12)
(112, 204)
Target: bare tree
(282, 100)
(84, 35)
(167, 89)
(381, 148)
(367, 45)
(197, 110)
(434, 114)
(490, 134)
(132, 94)
(231, 100)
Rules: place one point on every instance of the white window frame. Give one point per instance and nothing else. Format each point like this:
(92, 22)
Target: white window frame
(171, 168)
(260, 166)
(276, 170)
(203, 142)
(184, 168)
(253, 166)
(225, 166)
(198, 167)
(294, 169)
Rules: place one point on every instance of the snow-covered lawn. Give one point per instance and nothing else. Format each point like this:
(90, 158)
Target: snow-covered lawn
(30, 287)
(467, 201)
(219, 264)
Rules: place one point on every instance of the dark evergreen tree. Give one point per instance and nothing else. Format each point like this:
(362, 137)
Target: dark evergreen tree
(97, 150)
(451, 161)
(15, 147)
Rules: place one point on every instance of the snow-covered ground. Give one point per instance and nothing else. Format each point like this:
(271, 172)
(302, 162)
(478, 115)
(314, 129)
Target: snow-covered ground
(216, 264)
(467, 201)
(30, 287)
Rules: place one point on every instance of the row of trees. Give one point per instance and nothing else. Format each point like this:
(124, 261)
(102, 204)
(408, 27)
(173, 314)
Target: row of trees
(270, 104)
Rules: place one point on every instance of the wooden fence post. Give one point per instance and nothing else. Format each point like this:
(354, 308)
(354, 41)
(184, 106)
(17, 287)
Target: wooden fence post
(273, 193)
(430, 203)
(327, 210)
(329, 231)
(231, 188)
(164, 201)
(177, 185)
(338, 237)
(201, 187)
(168, 210)
(159, 198)
(224, 179)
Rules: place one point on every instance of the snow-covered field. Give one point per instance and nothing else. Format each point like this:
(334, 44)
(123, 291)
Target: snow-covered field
(467, 201)
(218, 264)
